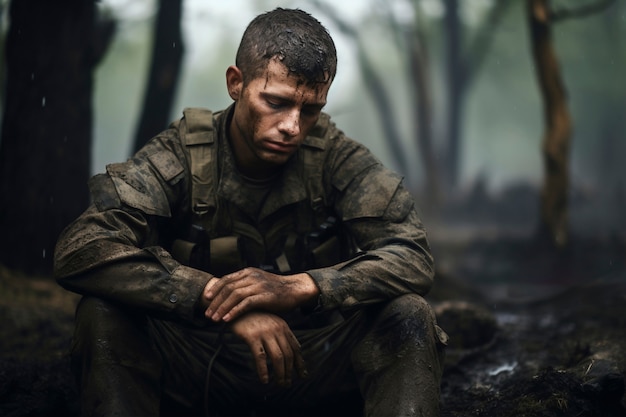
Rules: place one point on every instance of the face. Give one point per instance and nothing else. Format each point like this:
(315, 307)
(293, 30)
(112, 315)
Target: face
(273, 114)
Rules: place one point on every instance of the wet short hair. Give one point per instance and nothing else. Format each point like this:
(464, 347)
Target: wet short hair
(295, 38)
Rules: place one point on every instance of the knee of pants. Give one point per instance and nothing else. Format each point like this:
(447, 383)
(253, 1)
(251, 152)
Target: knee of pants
(404, 324)
(108, 333)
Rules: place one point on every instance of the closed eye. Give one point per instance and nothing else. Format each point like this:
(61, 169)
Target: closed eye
(274, 105)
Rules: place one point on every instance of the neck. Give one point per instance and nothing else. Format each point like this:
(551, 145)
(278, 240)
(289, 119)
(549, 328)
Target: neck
(249, 165)
(256, 182)
(257, 170)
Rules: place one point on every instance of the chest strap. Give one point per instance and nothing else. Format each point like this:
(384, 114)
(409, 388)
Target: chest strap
(199, 138)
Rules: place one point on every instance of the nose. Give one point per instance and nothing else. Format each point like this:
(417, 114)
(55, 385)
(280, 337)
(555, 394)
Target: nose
(290, 125)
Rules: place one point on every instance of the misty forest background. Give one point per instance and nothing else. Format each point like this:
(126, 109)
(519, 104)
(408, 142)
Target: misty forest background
(506, 117)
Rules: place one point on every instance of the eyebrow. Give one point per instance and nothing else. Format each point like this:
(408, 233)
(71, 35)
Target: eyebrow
(284, 99)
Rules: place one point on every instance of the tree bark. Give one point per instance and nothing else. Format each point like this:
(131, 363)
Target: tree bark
(557, 136)
(46, 134)
(167, 56)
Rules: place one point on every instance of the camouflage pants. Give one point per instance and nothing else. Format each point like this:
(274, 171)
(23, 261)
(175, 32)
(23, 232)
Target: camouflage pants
(130, 364)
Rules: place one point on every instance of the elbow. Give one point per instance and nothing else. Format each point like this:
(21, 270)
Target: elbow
(61, 273)
(67, 264)
(425, 274)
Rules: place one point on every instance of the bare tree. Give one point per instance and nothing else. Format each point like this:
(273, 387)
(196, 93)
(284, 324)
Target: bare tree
(409, 40)
(463, 62)
(167, 54)
(553, 224)
(374, 83)
(46, 133)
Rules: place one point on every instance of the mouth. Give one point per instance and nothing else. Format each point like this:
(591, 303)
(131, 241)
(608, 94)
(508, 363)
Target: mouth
(280, 147)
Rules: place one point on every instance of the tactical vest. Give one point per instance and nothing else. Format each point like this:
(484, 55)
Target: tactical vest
(219, 246)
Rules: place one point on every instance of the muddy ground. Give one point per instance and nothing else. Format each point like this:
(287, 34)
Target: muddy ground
(533, 333)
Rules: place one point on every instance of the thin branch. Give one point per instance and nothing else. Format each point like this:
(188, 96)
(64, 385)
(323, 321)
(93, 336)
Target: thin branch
(375, 86)
(480, 45)
(583, 11)
(394, 25)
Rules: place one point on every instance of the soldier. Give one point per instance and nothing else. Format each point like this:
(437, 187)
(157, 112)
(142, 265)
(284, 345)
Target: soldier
(254, 260)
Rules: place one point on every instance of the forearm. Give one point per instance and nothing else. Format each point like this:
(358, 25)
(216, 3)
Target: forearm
(100, 255)
(145, 285)
(398, 265)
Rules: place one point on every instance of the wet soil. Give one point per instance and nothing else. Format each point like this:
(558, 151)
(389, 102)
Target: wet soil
(533, 333)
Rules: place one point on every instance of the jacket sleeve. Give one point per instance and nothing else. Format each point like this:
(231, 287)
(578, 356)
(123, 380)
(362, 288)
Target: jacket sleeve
(394, 256)
(112, 250)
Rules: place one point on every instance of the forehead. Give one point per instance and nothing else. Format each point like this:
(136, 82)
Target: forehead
(277, 79)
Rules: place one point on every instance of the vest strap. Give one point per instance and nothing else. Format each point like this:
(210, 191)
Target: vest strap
(200, 141)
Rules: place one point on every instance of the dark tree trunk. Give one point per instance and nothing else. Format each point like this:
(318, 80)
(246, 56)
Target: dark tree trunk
(423, 121)
(556, 140)
(46, 132)
(455, 90)
(383, 103)
(167, 56)
(462, 65)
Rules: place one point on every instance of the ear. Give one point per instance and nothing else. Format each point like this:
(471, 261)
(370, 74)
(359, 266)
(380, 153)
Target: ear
(234, 82)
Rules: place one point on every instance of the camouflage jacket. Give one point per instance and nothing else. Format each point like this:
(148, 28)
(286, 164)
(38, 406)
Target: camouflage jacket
(120, 248)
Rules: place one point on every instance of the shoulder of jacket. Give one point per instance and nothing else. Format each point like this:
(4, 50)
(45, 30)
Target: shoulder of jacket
(321, 134)
(347, 157)
(196, 127)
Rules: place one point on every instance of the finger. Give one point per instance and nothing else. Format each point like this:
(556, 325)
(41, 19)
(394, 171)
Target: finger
(298, 359)
(287, 359)
(260, 359)
(239, 301)
(277, 356)
(237, 274)
(209, 287)
(249, 303)
(212, 290)
(226, 297)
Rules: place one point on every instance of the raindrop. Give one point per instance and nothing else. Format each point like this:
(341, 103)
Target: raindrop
(43, 101)
(32, 76)
(173, 44)
(44, 253)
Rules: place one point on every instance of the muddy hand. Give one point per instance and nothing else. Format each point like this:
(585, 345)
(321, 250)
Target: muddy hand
(270, 339)
(255, 289)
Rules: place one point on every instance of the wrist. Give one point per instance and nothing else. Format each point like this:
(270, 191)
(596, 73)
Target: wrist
(308, 291)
